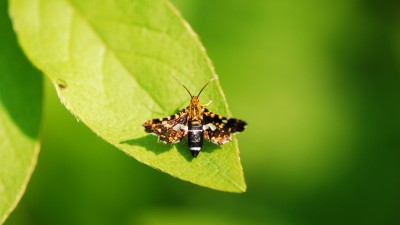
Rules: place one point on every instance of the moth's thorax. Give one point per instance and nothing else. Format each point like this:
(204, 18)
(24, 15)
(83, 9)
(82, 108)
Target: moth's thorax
(195, 110)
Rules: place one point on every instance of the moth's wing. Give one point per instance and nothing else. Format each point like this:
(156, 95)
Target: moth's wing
(218, 129)
(170, 129)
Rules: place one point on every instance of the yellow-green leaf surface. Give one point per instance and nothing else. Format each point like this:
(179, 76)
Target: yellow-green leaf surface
(113, 62)
(20, 116)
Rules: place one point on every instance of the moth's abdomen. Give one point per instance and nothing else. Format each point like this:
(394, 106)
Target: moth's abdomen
(195, 137)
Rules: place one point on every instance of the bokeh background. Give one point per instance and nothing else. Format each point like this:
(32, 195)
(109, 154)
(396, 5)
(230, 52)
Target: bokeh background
(318, 83)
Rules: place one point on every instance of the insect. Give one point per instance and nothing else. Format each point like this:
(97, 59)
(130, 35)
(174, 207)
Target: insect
(196, 122)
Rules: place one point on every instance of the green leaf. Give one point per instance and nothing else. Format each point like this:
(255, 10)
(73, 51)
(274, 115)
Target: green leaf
(112, 63)
(20, 115)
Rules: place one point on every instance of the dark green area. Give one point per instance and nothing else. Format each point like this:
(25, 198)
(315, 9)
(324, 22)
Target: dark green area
(318, 84)
(20, 84)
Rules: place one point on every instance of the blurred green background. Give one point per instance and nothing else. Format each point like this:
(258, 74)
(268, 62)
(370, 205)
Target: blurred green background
(318, 83)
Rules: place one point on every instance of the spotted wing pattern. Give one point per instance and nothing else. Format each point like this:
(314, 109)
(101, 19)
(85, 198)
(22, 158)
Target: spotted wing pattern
(218, 129)
(169, 129)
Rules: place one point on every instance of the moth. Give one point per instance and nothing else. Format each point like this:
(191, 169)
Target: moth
(195, 122)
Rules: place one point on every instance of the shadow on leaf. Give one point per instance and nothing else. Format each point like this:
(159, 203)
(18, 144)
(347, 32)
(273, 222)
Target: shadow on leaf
(151, 143)
(21, 85)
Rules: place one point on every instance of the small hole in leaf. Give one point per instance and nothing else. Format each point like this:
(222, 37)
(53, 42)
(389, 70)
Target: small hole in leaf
(61, 84)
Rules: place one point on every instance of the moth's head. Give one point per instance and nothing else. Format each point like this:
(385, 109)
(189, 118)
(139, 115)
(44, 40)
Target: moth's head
(194, 100)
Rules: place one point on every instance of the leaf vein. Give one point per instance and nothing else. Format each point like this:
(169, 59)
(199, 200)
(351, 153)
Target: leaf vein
(78, 13)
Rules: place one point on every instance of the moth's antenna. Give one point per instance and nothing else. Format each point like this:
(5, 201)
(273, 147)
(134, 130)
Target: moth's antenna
(184, 87)
(205, 86)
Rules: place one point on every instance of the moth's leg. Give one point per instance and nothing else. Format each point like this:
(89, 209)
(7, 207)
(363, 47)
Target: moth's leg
(208, 103)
